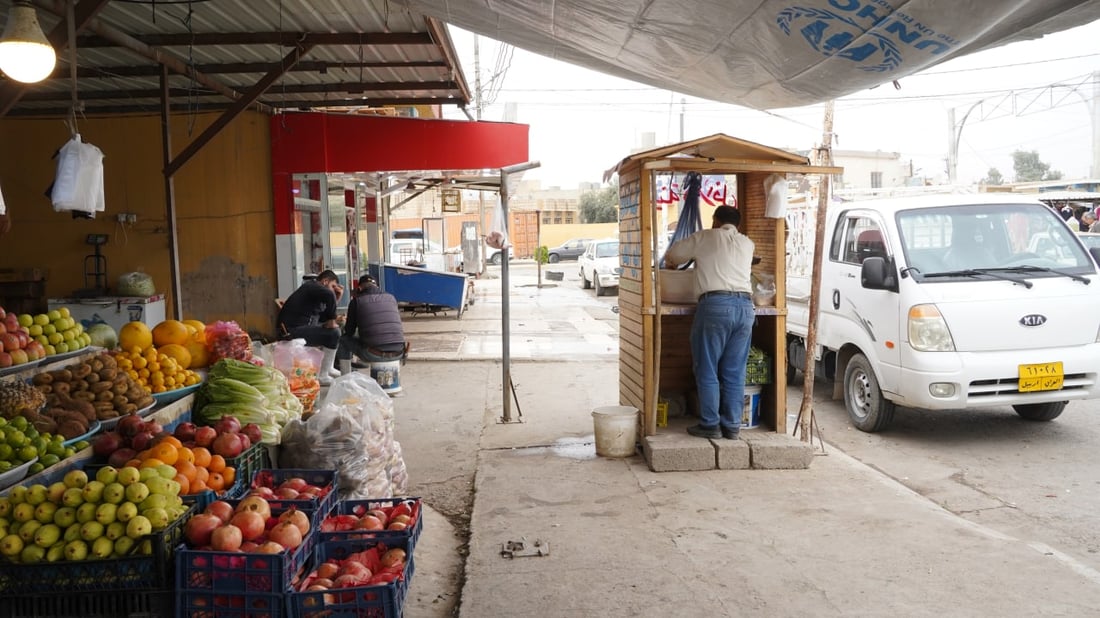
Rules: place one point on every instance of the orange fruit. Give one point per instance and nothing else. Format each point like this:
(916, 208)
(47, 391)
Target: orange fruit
(177, 352)
(197, 486)
(166, 453)
(202, 456)
(135, 335)
(187, 469)
(217, 463)
(230, 475)
(185, 455)
(173, 440)
(216, 481)
(199, 356)
(201, 474)
(151, 462)
(185, 484)
(200, 330)
(133, 463)
(170, 331)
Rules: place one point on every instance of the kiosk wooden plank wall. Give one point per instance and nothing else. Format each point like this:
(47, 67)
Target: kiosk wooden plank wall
(654, 354)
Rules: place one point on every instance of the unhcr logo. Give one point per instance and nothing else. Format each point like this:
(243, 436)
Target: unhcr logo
(871, 34)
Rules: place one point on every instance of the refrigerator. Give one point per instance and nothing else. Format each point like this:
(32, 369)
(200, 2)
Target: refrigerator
(116, 311)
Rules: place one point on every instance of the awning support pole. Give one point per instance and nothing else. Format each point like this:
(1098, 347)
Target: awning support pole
(505, 312)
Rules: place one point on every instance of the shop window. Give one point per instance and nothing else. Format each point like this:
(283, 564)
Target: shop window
(876, 180)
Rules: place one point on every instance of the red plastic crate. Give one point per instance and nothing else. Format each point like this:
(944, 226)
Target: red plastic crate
(379, 601)
(221, 571)
(358, 507)
(319, 507)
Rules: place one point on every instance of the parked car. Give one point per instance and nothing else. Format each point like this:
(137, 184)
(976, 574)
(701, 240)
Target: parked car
(599, 265)
(568, 250)
(410, 250)
(1090, 239)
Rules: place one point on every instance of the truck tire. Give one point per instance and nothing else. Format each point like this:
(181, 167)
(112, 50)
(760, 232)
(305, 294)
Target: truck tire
(585, 283)
(792, 370)
(596, 284)
(868, 410)
(1040, 411)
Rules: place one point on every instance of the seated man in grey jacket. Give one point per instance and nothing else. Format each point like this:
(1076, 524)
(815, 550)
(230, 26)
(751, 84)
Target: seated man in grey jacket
(373, 330)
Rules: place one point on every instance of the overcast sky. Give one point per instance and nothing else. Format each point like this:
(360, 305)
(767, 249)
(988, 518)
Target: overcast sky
(583, 122)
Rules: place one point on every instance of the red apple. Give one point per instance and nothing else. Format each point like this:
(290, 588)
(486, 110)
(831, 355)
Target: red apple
(5, 359)
(204, 436)
(19, 356)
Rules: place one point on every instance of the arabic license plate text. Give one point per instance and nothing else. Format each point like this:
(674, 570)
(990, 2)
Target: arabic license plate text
(1041, 377)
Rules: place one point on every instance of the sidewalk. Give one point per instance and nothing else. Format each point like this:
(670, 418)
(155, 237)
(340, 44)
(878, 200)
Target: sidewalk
(838, 539)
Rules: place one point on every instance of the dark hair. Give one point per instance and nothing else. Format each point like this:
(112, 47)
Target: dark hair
(728, 214)
(367, 280)
(327, 274)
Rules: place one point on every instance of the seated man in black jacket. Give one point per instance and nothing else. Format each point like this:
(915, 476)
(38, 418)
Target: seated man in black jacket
(310, 313)
(373, 331)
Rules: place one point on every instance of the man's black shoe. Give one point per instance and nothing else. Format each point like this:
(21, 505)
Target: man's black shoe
(701, 431)
(360, 365)
(730, 434)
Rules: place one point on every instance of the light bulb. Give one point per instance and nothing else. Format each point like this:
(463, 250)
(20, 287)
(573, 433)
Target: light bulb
(25, 52)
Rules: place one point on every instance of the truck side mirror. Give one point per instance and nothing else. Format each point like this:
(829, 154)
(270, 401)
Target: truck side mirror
(878, 273)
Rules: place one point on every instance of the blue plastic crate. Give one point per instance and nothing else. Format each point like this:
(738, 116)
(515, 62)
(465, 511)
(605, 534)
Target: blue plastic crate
(379, 601)
(318, 507)
(144, 571)
(100, 604)
(206, 604)
(358, 507)
(198, 569)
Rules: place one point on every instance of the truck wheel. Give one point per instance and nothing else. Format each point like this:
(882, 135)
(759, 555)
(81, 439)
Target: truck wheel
(868, 410)
(585, 283)
(596, 284)
(792, 371)
(1040, 411)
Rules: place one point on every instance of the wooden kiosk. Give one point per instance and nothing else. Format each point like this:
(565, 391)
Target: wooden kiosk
(654, 354)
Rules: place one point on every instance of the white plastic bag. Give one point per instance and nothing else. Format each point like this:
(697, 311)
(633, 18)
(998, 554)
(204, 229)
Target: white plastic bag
(79, 181)
(775, 186)
(497, 237)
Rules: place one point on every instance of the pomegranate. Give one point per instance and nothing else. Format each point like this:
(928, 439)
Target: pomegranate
(393, 556)
(204, 436)
(220, 509)
(380, 514)
(286, 534)
(327, 570)
(130, 425)
(252, 430)
(227, 424)
(270, 547)
(295, 483)
(141, 440)
(228, 445)
(369, 522)
(296, 517)
(185, 432)
(119, 458)
(250, 523)
(199, 529)
(106, 443)
(257, 504)
(226, 538)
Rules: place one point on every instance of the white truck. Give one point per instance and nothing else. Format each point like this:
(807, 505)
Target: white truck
(946, 302)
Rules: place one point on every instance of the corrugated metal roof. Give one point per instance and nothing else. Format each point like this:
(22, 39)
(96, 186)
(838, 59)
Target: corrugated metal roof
(354, 53)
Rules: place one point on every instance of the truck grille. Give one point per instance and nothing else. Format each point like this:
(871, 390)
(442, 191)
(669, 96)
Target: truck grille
(992, 389)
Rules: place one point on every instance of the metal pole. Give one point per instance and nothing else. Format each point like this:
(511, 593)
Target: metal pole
(538, 247)
(505, 310)
(1094, 117)
(805, 413)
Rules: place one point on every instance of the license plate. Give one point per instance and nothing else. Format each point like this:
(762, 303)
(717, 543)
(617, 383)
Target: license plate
(1040, 377)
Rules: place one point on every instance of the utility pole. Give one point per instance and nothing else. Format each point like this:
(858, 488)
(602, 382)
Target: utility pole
(477, 116)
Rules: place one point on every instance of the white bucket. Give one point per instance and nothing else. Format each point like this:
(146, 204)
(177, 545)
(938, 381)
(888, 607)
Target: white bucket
(388, 375)
(750, 415)
(616, 430)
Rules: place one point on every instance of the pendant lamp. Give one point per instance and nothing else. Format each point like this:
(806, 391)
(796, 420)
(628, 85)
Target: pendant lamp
(25, 53)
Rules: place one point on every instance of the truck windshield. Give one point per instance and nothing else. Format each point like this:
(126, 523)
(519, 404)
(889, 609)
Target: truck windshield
(1024, 240)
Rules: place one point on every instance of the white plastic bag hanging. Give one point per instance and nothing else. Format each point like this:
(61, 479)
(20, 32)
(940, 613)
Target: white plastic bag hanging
(497, 237)
(775, 186)
(79, 181)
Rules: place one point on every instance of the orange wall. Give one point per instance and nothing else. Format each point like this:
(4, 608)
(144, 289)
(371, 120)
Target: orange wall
(223, 211)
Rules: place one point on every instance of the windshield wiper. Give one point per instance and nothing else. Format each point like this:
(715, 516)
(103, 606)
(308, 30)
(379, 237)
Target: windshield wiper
(978, 272)
(1043, 269)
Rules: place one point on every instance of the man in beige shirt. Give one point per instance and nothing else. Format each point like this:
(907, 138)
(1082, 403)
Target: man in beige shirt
(721, 332)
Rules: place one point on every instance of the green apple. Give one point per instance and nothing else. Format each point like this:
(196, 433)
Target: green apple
(44, 513)
(47, 535)
(137, 492)
(41, 319)
(128, 476)
(34, 330)
(91, 530)
(105, 513)
(25, 319)
(93, 491)
(49, 329)
(86, 512)
(138, 527)
(76, 550)
(65, 516)
(107, 475)
(73, 496)
(115, 530)
(61, 347)
(126, 511)
(102, 547)
(53, 315)
(114, 493)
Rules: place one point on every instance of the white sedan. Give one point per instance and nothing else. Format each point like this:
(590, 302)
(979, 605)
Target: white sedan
(599, 265)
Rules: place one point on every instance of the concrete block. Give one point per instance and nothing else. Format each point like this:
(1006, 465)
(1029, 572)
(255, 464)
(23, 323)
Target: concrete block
(678, 452)
(733, 454)
(772, 451)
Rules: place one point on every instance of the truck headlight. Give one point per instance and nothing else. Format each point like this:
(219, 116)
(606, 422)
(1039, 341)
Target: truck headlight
(928, 330)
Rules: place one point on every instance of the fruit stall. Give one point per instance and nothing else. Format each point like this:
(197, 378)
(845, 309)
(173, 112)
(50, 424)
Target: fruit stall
(139, 476)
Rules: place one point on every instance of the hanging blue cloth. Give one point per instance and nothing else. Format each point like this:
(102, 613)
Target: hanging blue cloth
(690, 221)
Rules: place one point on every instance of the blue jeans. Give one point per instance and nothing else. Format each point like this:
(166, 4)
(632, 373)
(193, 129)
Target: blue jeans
(721, 335)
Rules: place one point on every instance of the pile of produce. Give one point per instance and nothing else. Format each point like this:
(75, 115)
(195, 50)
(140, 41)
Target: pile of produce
(56, 331)
(226, 340)
(377, 565)
(20, 442)
(82, 518)
(400, 516)
(250, 527)
(251, 393)
(96, 388)
(16, 345)
(159, 359)
(199, 455)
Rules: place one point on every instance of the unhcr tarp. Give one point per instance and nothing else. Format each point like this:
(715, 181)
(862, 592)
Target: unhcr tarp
(762, 54)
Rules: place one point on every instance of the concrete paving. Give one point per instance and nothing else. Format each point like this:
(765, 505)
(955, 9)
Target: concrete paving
(836, 538)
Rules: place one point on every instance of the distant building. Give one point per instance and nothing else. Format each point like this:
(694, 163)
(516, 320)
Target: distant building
(867, 169)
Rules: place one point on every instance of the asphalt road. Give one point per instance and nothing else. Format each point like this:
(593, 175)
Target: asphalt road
(1032, 481)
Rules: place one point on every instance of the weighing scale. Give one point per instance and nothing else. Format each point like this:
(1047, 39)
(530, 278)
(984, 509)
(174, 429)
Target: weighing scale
(95, 269)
